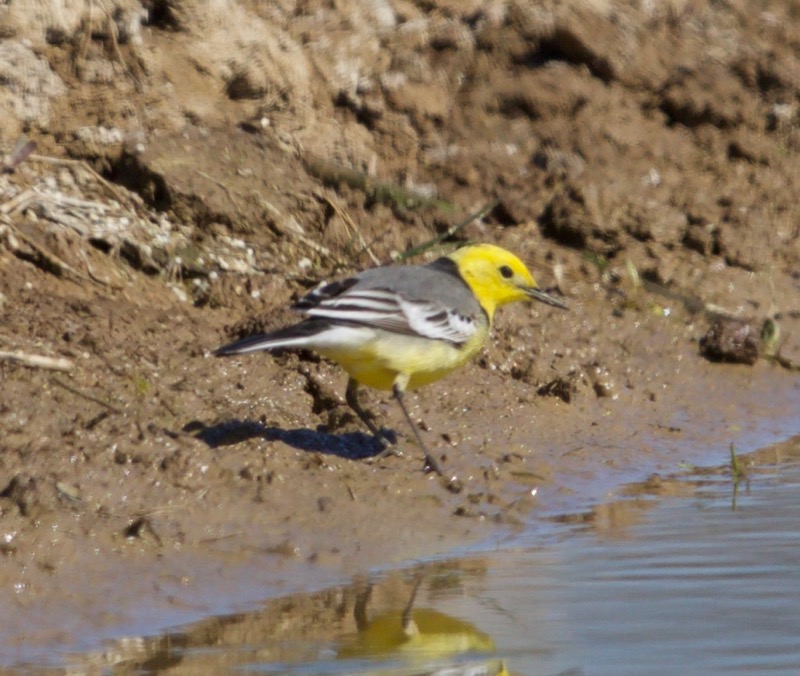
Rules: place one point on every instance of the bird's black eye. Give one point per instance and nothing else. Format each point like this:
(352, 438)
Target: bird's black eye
(506, 271)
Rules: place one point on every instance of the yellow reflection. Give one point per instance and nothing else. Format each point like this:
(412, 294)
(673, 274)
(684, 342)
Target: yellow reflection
(418, 635)
(424, 632)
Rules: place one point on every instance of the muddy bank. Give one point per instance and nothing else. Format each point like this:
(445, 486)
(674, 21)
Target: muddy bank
(197, 169)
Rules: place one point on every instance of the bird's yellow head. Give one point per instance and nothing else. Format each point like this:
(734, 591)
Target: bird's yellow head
(497, 277)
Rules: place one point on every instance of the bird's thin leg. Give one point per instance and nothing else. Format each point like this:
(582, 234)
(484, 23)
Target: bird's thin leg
(351, 397)
(409, 626)
(430, 462)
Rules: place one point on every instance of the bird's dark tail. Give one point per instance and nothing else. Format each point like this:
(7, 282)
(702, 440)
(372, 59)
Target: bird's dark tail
(296, 337)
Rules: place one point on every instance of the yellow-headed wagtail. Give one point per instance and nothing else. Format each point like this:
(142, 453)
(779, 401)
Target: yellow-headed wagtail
(400, 327)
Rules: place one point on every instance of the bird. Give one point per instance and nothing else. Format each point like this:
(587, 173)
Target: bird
(400, 327)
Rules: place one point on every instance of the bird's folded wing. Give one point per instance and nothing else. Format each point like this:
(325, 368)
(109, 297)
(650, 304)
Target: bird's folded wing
(389, 311)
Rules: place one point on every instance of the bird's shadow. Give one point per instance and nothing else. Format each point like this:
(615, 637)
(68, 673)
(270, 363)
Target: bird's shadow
(350, 445)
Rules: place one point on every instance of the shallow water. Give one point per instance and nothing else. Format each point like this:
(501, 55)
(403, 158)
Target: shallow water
(704, 583)
(690, 574)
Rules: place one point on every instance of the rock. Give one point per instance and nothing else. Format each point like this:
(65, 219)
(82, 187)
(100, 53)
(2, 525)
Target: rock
(732, 340)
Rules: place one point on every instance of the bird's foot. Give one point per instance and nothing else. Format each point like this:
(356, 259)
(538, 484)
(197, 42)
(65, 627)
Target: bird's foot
(389, 449)
(432, 465)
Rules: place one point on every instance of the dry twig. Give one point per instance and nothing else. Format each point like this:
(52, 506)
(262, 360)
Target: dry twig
(37, 361)
(84, 395)
(42, 258)
(350, 224)
(116, 193)
(415, 251)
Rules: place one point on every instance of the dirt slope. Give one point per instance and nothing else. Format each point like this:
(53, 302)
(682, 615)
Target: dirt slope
(199, 165)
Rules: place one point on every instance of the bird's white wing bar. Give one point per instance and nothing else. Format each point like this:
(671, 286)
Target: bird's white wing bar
(434, 321)
(389, 311)
(365, 307)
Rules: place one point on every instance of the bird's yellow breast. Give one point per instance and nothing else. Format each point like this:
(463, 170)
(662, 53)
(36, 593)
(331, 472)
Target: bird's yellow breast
(392, 358)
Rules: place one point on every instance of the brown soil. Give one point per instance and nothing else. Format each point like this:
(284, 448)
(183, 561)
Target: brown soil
(197, 171)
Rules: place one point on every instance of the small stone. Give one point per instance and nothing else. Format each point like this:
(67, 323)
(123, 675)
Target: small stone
(731, 340)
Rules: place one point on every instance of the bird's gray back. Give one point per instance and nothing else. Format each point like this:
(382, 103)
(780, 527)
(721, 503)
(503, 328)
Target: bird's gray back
(437, 282)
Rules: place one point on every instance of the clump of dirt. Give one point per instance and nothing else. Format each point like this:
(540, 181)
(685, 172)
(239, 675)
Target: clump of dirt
(198, 166)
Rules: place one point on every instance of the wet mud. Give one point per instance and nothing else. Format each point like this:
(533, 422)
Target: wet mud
(197, 168)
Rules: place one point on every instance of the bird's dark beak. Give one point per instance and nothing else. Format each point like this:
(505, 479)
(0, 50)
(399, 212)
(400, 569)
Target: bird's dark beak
(546, 298)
